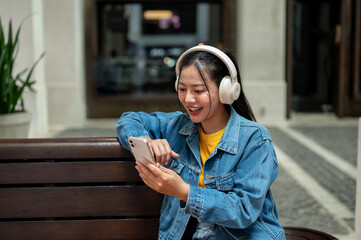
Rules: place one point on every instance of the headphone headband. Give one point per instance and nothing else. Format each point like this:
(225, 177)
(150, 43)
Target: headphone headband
(215, 51)
(229, 88)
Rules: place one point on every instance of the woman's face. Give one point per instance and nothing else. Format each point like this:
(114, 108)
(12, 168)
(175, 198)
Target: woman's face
(196, 99)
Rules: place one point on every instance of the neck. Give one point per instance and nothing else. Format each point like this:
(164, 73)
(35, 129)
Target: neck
(217, 123)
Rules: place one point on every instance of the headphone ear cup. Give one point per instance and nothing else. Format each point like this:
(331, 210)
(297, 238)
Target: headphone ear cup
(224, 90)
(176, 84)
(228, 91)
(236, 91)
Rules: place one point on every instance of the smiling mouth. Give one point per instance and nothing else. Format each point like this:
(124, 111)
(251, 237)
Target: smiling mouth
(194, 110)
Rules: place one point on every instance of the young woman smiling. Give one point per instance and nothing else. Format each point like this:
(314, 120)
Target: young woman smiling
(215, 164)
(201, 101)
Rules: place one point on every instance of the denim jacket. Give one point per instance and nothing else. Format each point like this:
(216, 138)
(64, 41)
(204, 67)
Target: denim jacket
(236, 201)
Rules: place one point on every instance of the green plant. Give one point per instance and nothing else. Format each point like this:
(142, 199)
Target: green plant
(12, 86)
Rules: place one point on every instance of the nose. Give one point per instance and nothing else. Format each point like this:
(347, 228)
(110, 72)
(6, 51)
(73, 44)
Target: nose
(189, 97)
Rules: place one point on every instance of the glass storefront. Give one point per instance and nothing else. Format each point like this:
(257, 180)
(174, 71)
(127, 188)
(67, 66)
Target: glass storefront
(139, 43)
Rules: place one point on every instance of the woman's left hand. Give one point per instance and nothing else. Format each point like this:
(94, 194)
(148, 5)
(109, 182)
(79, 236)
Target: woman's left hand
(163, 180)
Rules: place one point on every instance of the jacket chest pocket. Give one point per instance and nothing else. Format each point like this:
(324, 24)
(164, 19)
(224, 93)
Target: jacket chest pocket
(176, 166)
(223, 183)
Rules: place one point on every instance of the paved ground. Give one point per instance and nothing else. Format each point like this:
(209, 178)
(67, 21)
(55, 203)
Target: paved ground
(317, 156)
(317, 182)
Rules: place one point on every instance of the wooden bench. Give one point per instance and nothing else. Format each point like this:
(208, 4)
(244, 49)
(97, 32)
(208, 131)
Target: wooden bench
(300, 233)
(80, 188)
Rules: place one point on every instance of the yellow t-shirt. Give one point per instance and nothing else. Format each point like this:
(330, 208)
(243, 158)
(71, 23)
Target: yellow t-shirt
(207, 143)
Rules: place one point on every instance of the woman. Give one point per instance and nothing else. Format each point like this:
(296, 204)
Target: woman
(215, 164)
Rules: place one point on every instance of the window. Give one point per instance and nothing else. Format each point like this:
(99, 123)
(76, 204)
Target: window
(139, 43)
(132, 48)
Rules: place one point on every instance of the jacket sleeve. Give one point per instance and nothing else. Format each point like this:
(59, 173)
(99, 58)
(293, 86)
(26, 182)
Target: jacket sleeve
(141, 124)
(242, 206)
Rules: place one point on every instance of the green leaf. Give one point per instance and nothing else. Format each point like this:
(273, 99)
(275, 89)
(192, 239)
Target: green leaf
(12, 86)
(2, 38)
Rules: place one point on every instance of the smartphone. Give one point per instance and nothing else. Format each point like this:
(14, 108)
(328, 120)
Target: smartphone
(140, 149)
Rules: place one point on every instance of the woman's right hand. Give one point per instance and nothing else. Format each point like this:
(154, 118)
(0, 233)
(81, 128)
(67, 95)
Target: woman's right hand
(161, 150)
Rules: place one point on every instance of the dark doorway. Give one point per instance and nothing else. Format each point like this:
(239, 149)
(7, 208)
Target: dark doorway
(314, 45)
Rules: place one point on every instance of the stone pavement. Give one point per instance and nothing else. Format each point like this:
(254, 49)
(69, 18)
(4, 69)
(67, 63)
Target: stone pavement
(316, 186)
(317, 156)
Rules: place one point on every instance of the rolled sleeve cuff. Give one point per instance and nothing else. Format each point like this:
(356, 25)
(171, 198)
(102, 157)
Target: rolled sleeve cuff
(193, 206)
(140, 134)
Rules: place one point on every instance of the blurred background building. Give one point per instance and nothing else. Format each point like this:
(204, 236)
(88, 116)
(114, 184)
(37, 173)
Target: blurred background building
(105, 57)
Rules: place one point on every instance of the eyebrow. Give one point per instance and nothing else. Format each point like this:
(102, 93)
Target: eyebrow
(194, 85)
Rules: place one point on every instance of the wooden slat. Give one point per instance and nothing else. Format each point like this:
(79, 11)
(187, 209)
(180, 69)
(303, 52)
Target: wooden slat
(68, 172)
(53, 202)
(62, 148)
(300, 233)
(80, 229)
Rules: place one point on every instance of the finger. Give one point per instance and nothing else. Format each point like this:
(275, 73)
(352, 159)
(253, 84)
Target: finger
(148, 181)
(140, 173)
(147, 163)
(162, 152)
(139, 168)
(151, 181)
(175, 155)
(168, 152)
(156, 170)
(150, 168)
(164, 169)
(142, 168)
(156, 151)
(148, 178)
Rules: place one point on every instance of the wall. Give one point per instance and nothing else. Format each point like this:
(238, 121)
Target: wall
(261, 56)
(56, 28)
(64, 31)
(30, 42)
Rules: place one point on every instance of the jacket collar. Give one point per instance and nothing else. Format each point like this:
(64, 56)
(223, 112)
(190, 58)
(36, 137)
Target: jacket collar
(230, 138)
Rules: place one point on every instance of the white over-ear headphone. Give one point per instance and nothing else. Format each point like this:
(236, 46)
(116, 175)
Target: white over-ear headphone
(229, 88)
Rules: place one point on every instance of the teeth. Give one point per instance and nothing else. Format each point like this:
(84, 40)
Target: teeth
(194, 109)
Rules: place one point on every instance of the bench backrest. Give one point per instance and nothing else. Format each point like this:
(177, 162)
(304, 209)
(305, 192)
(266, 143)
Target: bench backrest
(73, 188)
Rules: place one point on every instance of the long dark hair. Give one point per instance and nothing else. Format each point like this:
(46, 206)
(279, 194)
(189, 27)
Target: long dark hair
(216, 69)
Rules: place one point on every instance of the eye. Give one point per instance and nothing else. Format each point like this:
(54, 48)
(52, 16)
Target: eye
(200, 90)
(181, 89)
